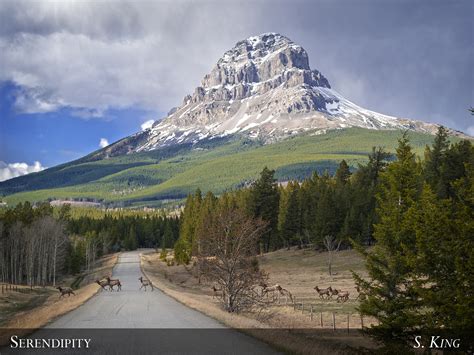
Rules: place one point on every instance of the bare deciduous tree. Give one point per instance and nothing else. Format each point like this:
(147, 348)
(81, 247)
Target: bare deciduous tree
(228, 248)
(33, 253)
(332, 246)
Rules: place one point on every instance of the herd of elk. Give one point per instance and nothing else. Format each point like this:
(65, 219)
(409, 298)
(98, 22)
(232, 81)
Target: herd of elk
(266, 290)
(110, 283)
(342, 296)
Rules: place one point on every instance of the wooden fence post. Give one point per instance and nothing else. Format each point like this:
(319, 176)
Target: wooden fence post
(321, 319)
(302, 307)
(294, 305)
(311, 313)
(348, 320)
(333, 321)
(362, 321)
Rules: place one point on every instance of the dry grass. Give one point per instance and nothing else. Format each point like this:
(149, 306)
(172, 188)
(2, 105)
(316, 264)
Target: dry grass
(42, 305)
(298, 271)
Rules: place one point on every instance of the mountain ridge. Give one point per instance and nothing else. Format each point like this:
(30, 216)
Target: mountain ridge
(262, 88)
(261, 104)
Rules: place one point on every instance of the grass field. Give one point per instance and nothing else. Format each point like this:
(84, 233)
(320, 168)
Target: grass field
(157, 176)
(296, 270)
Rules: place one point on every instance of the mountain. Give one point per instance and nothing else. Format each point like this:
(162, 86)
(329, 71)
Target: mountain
(263, 88)
(261, 104)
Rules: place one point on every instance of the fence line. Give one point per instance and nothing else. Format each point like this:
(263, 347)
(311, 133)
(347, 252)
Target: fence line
(338, 319)
(8, 287)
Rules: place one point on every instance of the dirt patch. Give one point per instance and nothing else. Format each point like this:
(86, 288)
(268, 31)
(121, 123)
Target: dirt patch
(289, 327)
(35, 308)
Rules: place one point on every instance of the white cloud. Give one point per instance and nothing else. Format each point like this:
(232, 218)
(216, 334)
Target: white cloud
(9, 171)
(470, 130)
(92, 56)
(147, 124)
(103, 143)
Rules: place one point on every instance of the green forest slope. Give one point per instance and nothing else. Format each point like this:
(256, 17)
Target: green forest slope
(169, 174)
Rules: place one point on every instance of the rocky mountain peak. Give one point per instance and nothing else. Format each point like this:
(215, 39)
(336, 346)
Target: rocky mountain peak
(263, 88)
(257, 65)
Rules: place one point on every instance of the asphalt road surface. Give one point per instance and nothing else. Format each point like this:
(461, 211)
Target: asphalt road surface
(133, 321)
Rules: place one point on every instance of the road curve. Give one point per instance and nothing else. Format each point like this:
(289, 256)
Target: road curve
(139, 322)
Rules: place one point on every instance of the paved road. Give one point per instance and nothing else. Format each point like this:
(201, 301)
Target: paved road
(132, 308)
(121, 322)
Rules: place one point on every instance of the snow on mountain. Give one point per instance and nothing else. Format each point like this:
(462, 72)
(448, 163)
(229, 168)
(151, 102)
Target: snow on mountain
(262, 88)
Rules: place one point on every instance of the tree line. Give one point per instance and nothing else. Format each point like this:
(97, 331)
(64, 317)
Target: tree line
(421, 269)
(40, 243)
(411, 219)
(297, 213)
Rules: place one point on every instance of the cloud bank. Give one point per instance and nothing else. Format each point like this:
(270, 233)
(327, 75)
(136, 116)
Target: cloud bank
(9, 171)
(93, 56)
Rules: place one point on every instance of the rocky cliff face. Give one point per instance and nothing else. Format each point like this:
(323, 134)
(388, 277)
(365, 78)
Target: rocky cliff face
(262, 88)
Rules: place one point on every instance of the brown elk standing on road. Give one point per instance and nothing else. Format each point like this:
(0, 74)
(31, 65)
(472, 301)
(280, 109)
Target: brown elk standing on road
(103, 283)
(114, 282)
(145, 283)
(65, 291)
(323, 292)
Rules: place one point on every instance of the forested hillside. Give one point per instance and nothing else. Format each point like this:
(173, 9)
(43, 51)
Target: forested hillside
(171, 173)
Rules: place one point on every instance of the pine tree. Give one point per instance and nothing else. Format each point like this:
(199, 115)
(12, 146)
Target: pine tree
(391, 290)
(434, 160)
(263, 204)
(289, 221)
(189, 221)
(343, 173)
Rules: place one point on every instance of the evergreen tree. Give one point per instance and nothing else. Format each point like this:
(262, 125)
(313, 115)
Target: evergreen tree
(189, 223)
(289, 219)
(434, 160)
(167, 241)
(325, 222)
(343, 173)
(392, 289)
(263, 204)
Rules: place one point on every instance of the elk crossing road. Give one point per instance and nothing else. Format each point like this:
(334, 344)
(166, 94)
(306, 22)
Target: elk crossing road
(139, 322)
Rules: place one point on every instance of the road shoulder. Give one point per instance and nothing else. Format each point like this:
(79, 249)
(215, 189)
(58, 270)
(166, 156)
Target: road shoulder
(24, 322)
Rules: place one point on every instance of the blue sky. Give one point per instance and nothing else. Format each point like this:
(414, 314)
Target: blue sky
(75, 72)
(60, 135)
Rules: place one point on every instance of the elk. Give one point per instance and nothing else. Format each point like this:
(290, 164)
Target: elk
(267, 289)
(114, 282)
(145, 283)
(65, 291)
(322, 292)
(343, 296)
(103, 283)
(286, 293)
(333, 292)
(216, 292)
